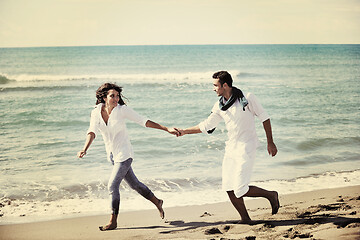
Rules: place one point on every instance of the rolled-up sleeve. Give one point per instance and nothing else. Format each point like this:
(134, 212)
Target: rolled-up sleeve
(130, 114)
(211, 122)
(94, 120)
(256, 108)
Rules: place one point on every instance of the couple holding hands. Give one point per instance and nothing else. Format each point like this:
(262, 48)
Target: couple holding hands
(237, 110)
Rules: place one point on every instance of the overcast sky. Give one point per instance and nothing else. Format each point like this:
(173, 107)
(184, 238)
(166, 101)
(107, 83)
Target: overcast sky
(26, 23)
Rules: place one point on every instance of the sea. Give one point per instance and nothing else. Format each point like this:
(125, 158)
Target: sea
(311, 93)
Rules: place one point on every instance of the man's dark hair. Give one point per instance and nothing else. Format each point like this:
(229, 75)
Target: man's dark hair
(224, 77)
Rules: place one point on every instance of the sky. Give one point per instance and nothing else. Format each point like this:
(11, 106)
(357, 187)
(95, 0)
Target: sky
(34, 23)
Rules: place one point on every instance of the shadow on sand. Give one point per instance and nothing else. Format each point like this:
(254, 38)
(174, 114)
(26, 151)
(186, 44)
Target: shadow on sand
(340, 222)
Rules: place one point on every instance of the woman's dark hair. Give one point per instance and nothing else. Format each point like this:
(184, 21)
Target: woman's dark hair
(103, 90)
(224, 77)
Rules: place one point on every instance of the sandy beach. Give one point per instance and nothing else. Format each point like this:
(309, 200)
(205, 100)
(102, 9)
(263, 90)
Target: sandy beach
(322, 214)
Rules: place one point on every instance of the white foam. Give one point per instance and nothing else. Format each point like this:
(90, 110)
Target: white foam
(22, 211)
(188, 77)
(314, 182)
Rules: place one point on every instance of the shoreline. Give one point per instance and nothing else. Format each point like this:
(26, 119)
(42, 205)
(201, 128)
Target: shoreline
(17, 211)
(321, 214)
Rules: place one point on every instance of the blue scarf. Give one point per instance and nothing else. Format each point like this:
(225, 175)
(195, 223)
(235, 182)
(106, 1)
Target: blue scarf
(236, 95)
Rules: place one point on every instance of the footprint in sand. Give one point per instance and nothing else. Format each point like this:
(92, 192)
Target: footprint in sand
(212, 231)
(206, 214)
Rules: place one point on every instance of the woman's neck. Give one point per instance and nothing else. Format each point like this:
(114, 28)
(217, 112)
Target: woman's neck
(108, 109)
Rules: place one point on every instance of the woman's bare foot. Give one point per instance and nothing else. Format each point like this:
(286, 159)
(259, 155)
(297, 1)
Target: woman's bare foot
(159, 207)
(110, 226)
(274, 201)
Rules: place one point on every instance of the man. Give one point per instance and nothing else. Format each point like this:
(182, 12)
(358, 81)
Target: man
(239, 113)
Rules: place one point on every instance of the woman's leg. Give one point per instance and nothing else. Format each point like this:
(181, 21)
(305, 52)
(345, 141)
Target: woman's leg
(144, 191)
(118, 173)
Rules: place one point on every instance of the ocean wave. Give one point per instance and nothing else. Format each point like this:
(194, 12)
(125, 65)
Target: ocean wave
(128, 78)
(163, 77)
(52, 201)
(63, 86)
(27, 82)
(28, 121)
(249, 75)
(98, 189)
(5, 80)
(322, 159)
(317, 143)
(48, 77)
(39, 88)
(93, 85)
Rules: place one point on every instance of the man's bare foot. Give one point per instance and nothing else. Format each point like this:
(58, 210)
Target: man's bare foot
(110, 226)
(275, 204)
(159, 207)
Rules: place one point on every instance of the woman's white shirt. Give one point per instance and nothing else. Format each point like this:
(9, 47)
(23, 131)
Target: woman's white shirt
(114, 133)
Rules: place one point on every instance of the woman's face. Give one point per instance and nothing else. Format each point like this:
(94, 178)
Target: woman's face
(112, 98)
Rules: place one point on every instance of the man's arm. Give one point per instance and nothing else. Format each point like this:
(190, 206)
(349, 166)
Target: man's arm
(272, 150)
(190, 130)
(207, 125)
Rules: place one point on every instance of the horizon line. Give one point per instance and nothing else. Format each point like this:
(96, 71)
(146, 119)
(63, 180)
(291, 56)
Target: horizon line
(149, 45)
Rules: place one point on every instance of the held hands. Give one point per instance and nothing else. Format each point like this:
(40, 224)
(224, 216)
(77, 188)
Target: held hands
(190, 130)
(180, 131)
(176, 131)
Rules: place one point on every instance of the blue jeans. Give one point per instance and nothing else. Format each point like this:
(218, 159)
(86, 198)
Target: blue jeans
(123, 170)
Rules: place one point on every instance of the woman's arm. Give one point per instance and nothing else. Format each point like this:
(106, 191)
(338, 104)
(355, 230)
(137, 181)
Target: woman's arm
(151, 124)
(89, 139)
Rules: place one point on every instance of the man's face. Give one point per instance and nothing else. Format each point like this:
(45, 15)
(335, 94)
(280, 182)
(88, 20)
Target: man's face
(218, 88)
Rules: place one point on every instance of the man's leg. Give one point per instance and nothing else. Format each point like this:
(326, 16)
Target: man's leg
(240, 207)
(272, 196)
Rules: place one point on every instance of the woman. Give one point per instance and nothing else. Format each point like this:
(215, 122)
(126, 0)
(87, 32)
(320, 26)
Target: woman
(108, 118)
